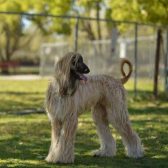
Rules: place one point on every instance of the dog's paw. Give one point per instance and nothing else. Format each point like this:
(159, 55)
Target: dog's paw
(50, 159)
(137, 152)
(136, 155)
(59, 160)
(103, 153)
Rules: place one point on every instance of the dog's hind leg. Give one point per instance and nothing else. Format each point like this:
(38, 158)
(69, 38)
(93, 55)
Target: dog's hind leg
(107, 142)
(120, 120)
(131, 140)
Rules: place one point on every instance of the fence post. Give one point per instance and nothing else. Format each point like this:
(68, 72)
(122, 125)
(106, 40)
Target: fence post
(157, 60)
(135, 59)
(76, 34)
(166, 64)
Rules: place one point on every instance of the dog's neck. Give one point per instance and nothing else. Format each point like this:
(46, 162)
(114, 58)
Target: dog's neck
(73, 85)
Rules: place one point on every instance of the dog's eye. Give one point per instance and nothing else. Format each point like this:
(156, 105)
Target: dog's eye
(73, 60)
(80, 59)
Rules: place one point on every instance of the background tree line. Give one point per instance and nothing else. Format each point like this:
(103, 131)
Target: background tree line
(21, 32)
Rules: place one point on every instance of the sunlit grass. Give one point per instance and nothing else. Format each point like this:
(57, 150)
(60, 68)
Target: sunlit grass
(144, 84)
(19, 94)
(25, 139)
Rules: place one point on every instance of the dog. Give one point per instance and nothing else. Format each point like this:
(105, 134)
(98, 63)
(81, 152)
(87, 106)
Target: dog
(71, 92)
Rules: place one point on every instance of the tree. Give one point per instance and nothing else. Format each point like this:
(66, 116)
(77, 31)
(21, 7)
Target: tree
(91, 9)
(153, 11)
(12, 28)
(56, 7)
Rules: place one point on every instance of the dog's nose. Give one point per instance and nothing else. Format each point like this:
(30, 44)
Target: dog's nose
(86, 70)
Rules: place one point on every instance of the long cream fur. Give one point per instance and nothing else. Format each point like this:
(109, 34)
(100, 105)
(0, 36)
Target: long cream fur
(106, 98)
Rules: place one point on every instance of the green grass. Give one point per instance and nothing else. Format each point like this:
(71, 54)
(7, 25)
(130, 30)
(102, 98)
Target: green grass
(25, 139)
(18, 95)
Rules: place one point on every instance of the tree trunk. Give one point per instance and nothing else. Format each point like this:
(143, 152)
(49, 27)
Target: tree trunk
(12, 37)
(98, 27)
(5, 70)
(87, 28)
(98, 22)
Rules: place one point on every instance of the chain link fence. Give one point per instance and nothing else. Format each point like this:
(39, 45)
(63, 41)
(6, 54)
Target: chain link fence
(102, 52)
(103, 56)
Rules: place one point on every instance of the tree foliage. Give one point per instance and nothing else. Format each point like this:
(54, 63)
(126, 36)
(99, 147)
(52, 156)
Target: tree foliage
(91, 9)
(153, 11)
(12, 27)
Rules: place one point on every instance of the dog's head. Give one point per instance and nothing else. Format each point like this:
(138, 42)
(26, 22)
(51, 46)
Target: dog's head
(68, 71)
(78, 68)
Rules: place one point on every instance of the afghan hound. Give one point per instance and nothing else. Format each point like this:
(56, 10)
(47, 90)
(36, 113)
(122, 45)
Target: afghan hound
(70, 93)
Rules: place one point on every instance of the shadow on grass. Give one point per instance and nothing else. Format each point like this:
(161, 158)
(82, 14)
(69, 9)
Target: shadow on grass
(28, 147)
(123, 162)
(16, 101)
(148, 110)
(147, 95)
(12, 101)
(38, 151)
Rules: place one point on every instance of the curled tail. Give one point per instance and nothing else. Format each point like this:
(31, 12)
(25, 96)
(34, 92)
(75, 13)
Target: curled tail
(125, 76)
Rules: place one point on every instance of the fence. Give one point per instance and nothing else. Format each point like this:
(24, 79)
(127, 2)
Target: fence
(138, 44)
(98, 54)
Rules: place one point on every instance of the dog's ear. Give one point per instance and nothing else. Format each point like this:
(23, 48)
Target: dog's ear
(66, 85)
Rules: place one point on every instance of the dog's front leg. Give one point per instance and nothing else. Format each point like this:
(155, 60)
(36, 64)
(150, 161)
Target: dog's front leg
(56, 126)
(63, 150)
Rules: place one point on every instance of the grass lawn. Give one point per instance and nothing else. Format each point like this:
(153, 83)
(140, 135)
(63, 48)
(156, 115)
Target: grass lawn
(25, 139)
